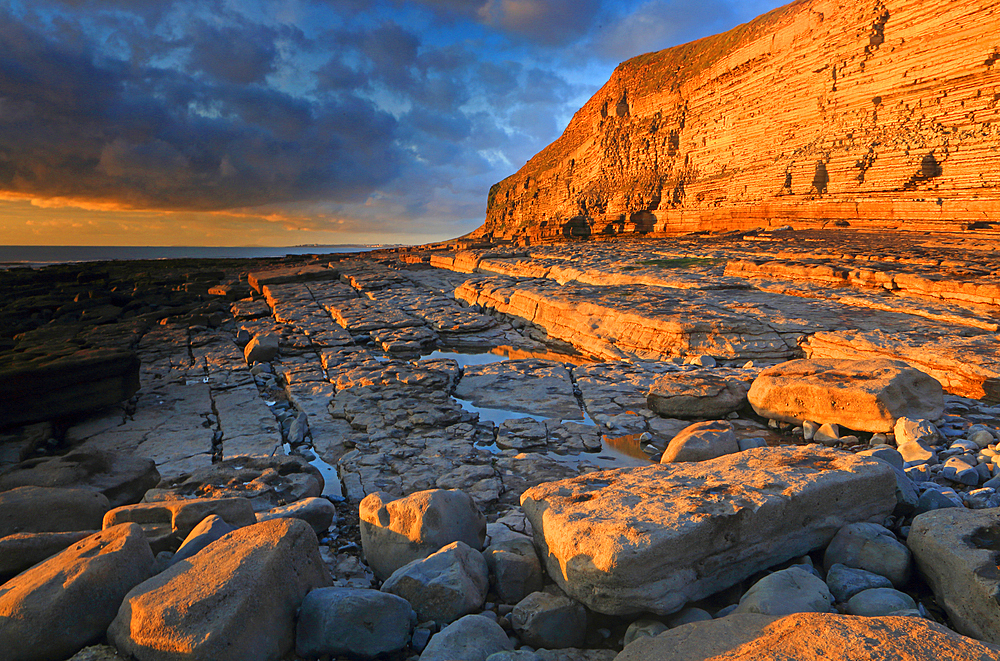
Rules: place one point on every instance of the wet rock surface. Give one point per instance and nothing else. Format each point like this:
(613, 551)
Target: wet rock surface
(496, 372)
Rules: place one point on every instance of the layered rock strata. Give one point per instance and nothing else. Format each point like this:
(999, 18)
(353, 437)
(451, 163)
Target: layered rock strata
(880, 113)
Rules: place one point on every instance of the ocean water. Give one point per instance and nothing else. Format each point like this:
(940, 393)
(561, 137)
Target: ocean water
(33, 256)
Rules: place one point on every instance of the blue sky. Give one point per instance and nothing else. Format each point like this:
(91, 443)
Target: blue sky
(283, 122)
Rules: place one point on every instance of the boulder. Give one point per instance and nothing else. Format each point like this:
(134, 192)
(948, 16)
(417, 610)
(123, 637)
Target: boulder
(800, 636)
(471, 638)
(549, 620)
(701, 441)
(696, 396)
(169, 522)
(955, 550)
(395, 531)
(51, 509)
(792, 590)
(909, 430)
(515, 570)
(267, 482)
(61, 384)
(54, 609)
(866, 395)
(445, 585)
(211, 528)
(645, 628)
(652, 539)
(234, 601)
(122, 478)
(880, 601)
(353, 622)
(26, 549)
(262, 348)
(845, 582)
(317, 512)
(871, 547)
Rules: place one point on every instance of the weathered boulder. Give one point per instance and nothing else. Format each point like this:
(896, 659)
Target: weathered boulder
(515, 570)
(871, 547)
(801, 636)
(359, 623)
(51, 509)
(845, 582)
(62, 384)
(652, 539)
(234, 601)
(696, 396)
(702, 441)
(26, 549)
(169, 522)
(550, 620)
(471, 638)
(866, 395)
(211, 528)
(54, 609)
(445, 585)
(395, 531)
(122, 478)
(792, 590)
(267, 482)
(317, 512)
(955, 550)
(880, 601)
(262, 348)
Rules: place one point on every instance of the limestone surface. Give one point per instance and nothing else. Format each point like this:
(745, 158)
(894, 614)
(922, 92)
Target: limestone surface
(652, 539)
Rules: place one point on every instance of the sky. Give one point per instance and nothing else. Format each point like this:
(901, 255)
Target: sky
(292, 122)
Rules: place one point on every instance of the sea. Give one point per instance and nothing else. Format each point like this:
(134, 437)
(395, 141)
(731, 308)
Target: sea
(37, 256)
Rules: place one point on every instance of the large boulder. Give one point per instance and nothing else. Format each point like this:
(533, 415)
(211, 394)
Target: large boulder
(552, 621)
(865, 395)
(652, 539)
(702, 441)
(26, 549)
(955, 550)
(358, 623)
(234, 601)
(122, 478)
(54, 609)
(472, 638)
(445, 585)
(792, 590)
(515, 570)
(396, 531)
(752, 637)
(697, 396)
(51, 509)
(62, 384)
(169, 522)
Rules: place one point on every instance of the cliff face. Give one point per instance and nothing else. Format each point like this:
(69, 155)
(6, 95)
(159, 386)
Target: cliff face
(867, 113)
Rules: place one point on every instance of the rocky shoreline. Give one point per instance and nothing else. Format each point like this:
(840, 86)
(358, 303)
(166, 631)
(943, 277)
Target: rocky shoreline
(686, 448)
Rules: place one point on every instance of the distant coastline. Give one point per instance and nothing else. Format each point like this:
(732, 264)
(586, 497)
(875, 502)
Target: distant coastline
(36, 256)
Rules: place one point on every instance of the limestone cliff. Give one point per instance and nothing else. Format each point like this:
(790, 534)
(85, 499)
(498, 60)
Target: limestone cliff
(867, 113)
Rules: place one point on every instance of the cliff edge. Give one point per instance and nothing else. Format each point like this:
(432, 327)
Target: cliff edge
(867, 113)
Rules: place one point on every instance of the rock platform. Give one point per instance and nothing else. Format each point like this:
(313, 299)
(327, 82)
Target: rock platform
(503, 372)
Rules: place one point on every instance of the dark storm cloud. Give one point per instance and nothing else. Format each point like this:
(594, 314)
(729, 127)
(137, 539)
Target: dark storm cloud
(158, 138)
(232, 54)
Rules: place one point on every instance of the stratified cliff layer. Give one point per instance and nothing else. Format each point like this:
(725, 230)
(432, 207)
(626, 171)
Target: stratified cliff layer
(867, 113)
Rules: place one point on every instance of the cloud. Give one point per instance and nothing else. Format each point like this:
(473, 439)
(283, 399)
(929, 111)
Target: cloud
(158, 138)
(233, 54)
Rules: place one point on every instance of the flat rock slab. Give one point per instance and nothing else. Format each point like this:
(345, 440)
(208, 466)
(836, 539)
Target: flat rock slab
(865, 395)
(956, 550)
(310, 273)
(696, 396)
(804, 636)
(539, 387)
(651, 539)
(57, 385)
